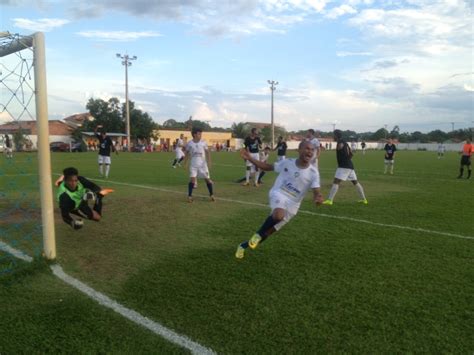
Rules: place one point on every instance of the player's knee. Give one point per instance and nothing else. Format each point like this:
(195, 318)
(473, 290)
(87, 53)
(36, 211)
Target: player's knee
(248, 168)
(96, 216)
(354, 182)
(278, 215)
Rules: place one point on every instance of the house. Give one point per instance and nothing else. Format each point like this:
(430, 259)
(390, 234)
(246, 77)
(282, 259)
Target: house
(58, 132)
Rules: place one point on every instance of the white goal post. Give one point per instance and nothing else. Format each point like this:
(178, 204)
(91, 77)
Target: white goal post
(36, 41)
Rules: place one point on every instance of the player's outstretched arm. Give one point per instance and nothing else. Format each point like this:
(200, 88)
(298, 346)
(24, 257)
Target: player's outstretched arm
(317, 197)
(259, 164)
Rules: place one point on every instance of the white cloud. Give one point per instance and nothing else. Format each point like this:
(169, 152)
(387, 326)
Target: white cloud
(340, 11)
(117, 36)
(42, 25)
(352, 54)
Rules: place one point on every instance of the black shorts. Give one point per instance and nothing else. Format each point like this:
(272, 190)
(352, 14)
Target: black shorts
(465, 160)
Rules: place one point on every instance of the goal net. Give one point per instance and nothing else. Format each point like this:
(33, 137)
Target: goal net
(26, 201)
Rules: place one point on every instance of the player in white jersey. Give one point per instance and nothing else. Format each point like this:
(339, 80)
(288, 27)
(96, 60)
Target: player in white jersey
(441, 150)
(179, 151)
(198, 152)
(296, 177)
(310, 137)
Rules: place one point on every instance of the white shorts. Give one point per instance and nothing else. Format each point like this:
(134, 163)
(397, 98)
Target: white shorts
(388, 161)
(253, 168)
(8, 150)
(281, 157)
(278, 200)
(179, 153)
(201, 172)
(345, 174)
(104, 160)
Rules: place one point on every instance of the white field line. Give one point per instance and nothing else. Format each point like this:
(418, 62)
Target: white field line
(105, 301)
(15, 252)
(130, 314)
(415, 229)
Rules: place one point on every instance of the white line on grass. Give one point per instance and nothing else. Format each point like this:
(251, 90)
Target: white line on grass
(105, 301)
(135, 317)
(15, 252)
(415, 229)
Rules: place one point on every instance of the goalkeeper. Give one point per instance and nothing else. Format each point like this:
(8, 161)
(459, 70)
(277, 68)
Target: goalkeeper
(74, 195)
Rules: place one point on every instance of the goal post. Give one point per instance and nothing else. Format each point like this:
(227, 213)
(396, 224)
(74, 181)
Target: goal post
(12, 44)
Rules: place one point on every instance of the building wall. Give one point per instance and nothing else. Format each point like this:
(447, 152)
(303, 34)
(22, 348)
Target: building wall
(170, 136)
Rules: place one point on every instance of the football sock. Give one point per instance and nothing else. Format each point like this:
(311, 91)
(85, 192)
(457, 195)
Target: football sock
(461, 172)
(360, 189)
(209, 187)
(180, 160)
(257, 174)
(333, 191)
(391, 169)
(385, 169)
(244, 245)
(107, 169)
(247, 176)
(174, 162)
(98, 204)
(469, 173)
(266, 226)
(261, 176)
(101, 169)
(190, 189)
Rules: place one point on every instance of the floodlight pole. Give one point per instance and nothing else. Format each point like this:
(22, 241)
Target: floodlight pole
(44, 157)
(126, 61)
(273, 85)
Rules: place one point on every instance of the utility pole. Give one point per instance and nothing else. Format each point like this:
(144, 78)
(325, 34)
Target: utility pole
(452, 126)
(273, 85)
(126, 61)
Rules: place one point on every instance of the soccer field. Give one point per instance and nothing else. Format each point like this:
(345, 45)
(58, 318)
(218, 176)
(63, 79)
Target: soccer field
(395, 275)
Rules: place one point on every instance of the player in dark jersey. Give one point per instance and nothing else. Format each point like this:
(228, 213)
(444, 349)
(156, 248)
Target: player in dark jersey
(252, 144)
(74, 193)
(281, 148)
(8, 147)
(105, 147)
(390, 150)
(345, 170)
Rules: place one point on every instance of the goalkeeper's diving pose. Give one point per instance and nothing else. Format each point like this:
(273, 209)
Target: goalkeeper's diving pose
(74, 194)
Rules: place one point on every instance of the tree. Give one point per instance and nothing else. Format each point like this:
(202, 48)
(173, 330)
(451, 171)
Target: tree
(380, 134)
(266, 133)
(142, 125)
(19, 139)
(105, 113)
(395, 133)
(240, 130)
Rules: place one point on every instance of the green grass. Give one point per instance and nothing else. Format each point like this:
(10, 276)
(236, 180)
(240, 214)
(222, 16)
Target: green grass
(319, 285)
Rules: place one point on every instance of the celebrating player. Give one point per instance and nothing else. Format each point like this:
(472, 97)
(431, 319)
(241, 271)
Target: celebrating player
(466, 153)
(179, 151)
(390, 150)
(105, 146)
(252, 144)
(200, 156)
(310, 137)
(281, 148)
(296, 177)
(345, 170)
(73, 195)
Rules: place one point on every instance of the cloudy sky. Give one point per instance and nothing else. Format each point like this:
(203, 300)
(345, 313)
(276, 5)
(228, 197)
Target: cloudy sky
(360, 64)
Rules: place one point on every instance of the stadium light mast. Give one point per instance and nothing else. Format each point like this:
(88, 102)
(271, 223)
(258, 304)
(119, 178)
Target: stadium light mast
(273, 85)
(126, 61)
